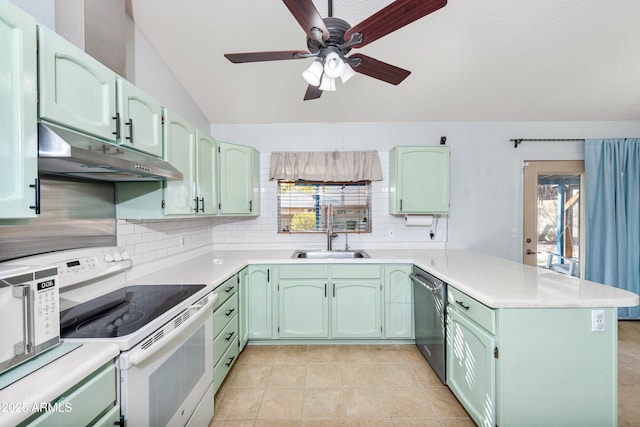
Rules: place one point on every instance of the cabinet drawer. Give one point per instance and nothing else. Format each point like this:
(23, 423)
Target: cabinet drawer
(355, 272)
(87, 401)
(223, 314)
(224, 365)
(225, 290)
(224, 338)
(474, 310)
(303, 272)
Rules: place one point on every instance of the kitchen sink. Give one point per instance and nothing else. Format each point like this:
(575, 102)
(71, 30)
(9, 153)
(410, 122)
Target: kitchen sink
(323, 254)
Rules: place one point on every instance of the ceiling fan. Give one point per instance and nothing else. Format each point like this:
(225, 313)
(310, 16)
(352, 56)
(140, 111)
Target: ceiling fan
(329, 40)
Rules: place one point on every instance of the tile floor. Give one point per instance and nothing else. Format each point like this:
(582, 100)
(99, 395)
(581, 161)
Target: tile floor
(367, 386)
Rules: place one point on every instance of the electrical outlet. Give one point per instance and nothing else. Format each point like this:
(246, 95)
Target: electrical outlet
(597, 320)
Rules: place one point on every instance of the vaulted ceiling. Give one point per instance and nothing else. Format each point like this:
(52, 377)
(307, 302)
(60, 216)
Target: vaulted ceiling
(473, 60)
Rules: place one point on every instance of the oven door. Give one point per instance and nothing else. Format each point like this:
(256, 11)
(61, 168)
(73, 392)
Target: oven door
(166, 376)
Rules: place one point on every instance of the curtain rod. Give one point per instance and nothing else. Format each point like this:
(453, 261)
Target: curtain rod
(518, 141)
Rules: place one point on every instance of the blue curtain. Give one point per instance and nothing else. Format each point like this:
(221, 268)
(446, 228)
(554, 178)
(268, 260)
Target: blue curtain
(612, 201)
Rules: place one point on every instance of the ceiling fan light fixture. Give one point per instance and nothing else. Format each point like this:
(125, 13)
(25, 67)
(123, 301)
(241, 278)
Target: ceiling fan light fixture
(313, 74)
(347, 73)
(328, 83)
(333, 65)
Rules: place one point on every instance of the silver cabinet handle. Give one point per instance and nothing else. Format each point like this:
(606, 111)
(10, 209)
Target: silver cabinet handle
(418, 280)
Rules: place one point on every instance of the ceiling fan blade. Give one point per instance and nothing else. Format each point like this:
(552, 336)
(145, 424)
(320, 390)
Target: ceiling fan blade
(380, 70)
(395, 16)
(237, 58)
(313, 92)
(308, 17)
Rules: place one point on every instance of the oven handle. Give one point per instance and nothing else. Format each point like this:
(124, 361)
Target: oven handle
(418, 280)
(202, 310)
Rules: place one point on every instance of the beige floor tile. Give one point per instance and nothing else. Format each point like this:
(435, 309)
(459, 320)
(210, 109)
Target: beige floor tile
(395, 375)
(424, 375)
(323, 375)
(249, 376)
(323, 354)
(385, 354)
(365, 402)
(324, 423)
(354, 353)
(239, 404)
(408, 402)
(258, 355)
(444, 403)
(419, 423)
(281, 403)
(323, 403)
(455, 423)
(277, 423)
(231, 423)
(291, 354)
(287, 375)
(370, 423)
(358, 375)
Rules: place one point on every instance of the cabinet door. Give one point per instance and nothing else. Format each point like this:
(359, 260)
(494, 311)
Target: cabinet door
(76, 91)
(180, 142)
(206, 178)
(243, 310)
(259, 302)
(398, 301)
(140, 119)
(356, 309)
(18, 120)
(236, 189)
(471, 367)
(304, 309)
(419, 180)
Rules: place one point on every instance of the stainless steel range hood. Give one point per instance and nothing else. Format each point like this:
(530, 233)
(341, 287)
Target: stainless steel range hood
(64, 152)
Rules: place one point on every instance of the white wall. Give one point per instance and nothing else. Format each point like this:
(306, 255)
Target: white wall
(486, 174)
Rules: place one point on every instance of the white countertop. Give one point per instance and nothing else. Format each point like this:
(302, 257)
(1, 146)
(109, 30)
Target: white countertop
(496, 282)
(50, 381)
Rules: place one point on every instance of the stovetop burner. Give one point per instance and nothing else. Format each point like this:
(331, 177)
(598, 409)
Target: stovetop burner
(123, 311)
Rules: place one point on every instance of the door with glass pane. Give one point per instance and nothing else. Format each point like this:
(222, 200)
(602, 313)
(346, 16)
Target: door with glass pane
(552, 215)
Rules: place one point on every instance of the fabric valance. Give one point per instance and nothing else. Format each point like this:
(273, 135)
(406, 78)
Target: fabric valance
(337, 166)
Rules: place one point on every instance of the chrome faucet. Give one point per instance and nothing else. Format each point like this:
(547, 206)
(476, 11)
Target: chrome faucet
(330, 234)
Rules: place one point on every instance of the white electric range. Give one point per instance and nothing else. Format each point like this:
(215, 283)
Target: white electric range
(164, 332)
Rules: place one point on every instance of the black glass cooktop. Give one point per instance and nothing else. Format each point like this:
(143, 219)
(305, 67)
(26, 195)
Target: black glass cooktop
(122, 312)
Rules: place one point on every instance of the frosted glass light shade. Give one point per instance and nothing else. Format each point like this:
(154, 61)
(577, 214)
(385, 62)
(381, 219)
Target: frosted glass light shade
(313, 74)
(328, 83)
(333, 65)
(347, 73)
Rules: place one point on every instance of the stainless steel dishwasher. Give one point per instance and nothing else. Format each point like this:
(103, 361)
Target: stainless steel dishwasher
(429, 299)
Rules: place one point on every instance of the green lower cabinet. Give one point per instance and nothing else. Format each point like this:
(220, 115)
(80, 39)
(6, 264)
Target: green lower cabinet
(258, 303)
(398, 301)
(303, 308)
(356, 309)
(532, 366)
(243, 307)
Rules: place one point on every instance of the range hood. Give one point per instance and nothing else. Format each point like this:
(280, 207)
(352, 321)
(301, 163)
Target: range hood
(64, 152)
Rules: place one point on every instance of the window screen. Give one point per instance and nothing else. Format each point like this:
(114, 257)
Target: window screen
(305, 206)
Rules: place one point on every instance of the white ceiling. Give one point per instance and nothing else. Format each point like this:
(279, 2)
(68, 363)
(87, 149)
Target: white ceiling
(472, 60)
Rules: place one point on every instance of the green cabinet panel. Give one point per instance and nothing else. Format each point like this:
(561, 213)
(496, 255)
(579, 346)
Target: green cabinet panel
(350, 271)
(259, 302)
(239, 180)
(398, 301)
(140, 119)
(317, 271)
(471, 367)
(88, 401)
(18, 120)
(356, 309)
(76, 91)
(304, 309)
(243, 302)
(180, 137)
(224, 365)
(419, 180)
(206, 174)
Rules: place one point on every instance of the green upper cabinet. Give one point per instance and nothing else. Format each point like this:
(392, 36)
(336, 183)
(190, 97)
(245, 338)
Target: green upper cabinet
(239, 180)
(140, 119)
(419, 180)
(76, 91)
(206, 201)
(18, 120)
(180, 140)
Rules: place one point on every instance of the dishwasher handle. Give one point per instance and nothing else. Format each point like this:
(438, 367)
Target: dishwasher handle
(420, 281)
(202, 311)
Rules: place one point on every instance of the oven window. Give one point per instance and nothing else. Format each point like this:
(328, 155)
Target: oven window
(172, 382)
